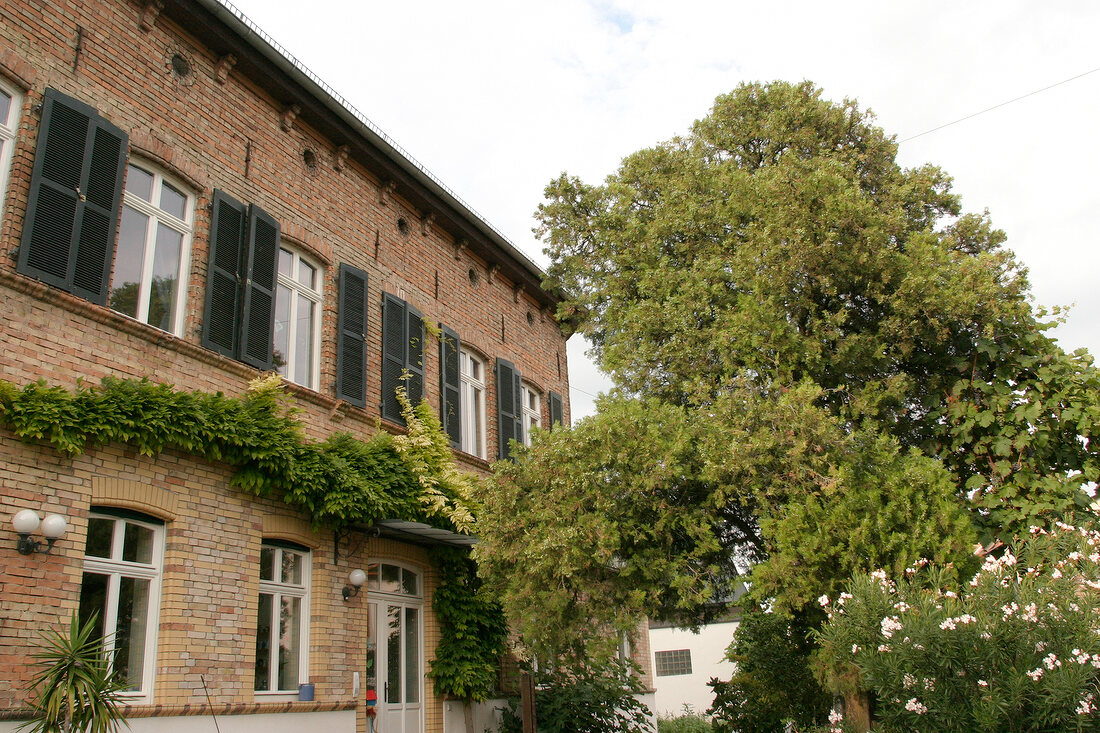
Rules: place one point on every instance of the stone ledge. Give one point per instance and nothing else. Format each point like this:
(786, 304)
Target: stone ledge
(224, 709)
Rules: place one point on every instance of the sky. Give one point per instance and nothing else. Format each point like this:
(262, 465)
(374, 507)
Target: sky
(497, 98)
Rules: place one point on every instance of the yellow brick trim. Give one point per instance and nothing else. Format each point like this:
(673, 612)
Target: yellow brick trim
(292, 529)
(136, 495)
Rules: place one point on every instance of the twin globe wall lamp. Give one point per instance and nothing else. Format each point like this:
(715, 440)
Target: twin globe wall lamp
(356, 578)
(26, 522)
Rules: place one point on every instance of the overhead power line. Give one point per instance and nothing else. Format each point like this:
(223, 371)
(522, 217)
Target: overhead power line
(998, 106)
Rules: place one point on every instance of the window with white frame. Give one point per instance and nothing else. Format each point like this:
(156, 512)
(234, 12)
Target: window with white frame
(472, 371)
(282, 627)
(11, 102)
(298, 318)
(123, 560)
(532, 411)
(154, 249)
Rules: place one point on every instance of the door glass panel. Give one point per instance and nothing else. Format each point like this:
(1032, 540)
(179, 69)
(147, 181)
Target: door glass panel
(166, 265)
(129, 261)
(391, 579)
(263, 640)
(393, 654)
(292, 568)
(290, 625)
(412, 655)
(133, 616)
(100, 534)
(139, 183)
(93, 599)
(137, 546)
(372, 647)
(408, 582)
(303, 337)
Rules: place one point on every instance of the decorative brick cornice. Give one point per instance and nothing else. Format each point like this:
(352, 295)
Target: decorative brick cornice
(426, 222)
(224, 66)
(340, 157)
(286, 119)
(386, 191)
(149, 14)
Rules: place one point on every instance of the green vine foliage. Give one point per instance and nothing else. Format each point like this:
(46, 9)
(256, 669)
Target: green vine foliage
(339, 482)
(474, 631)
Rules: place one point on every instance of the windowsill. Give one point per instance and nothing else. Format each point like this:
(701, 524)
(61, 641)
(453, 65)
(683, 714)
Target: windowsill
(280, 696)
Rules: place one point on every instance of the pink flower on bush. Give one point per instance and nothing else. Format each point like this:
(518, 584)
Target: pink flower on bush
(915, 706)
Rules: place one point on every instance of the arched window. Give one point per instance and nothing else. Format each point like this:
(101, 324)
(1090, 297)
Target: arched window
(282, 627)
(154, 249)
(298, 301)
(123, 563)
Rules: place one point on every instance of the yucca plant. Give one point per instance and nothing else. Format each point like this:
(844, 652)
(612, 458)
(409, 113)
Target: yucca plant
(76, 691)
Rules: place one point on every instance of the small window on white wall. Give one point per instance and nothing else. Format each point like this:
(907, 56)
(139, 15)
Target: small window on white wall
(282, 627)
(123, 559)
(154, 249)
(671, 663)
(532, 411)
(11, 102)
(472, 370)
(298, 318)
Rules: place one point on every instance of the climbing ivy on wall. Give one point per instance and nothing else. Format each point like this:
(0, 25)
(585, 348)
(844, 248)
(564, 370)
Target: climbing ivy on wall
(339, 481)
(472, 626)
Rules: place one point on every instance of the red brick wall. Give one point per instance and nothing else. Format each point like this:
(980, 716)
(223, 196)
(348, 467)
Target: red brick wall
(200, 129)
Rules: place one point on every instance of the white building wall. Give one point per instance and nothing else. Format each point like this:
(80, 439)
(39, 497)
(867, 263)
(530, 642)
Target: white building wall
(708, 649)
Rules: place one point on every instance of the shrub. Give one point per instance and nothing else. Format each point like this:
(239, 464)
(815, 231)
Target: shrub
(687, 722)
(773, 683)
(587, 698)
(75, 689)
(1015, 648)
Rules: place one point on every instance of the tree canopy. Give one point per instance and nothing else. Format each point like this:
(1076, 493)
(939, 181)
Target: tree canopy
(822, 365)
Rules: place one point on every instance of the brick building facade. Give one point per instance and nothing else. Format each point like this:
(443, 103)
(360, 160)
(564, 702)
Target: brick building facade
(183, 202)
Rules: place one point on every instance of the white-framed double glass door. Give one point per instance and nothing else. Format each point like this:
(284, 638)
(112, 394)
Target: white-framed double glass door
(395, 656)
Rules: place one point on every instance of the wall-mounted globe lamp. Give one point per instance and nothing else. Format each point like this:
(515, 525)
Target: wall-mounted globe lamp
(26, 522)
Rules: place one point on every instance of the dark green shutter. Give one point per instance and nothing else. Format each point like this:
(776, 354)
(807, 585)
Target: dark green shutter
(415, 356)
(258, 312)
(223, 287)
(509, 410)
(556, 413)
(394, 340)
(351, 335)
(449, 386)
(75, 195)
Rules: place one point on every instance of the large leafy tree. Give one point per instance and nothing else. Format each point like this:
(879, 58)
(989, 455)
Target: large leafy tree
(822, 365)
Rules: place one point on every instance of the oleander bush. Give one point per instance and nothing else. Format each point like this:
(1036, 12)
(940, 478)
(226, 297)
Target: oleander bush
(1014, 648)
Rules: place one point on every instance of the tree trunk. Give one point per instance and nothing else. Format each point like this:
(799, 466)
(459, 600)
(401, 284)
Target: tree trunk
(527, 702)
(468, 716)
(857, 711)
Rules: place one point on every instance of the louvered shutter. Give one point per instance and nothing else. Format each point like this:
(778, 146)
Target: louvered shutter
(394, 340)
(75, 196)
(223, 287)
(449, 385)
(351, 335)
(415, 355)
(509, 410)
(258, 313)
(556, 413)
